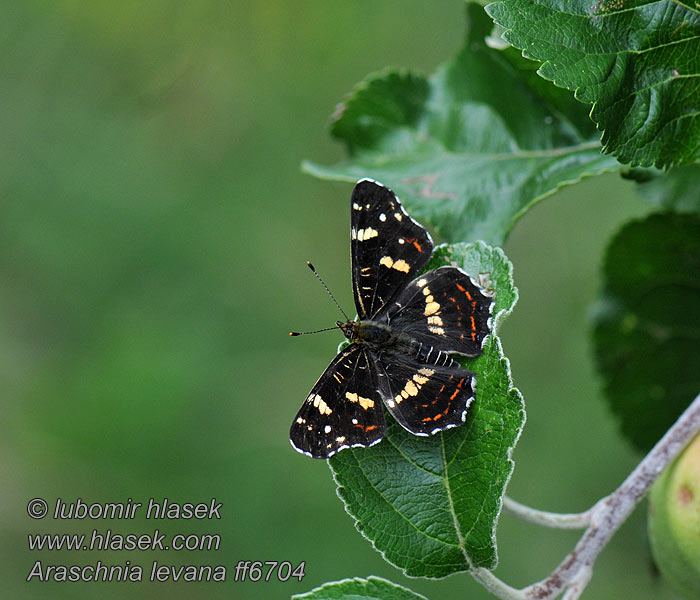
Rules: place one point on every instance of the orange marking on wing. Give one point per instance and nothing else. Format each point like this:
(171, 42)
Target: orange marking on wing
(370, 427)
(462, 289)
(437, 416)
(459, 387)
(414, 241)
(473, 323)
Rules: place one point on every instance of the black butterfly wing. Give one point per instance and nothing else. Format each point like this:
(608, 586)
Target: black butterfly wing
(443, 309)
(425, 398)
(343, 409)
(388, 247)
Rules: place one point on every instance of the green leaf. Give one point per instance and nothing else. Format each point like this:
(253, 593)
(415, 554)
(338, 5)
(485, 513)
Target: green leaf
(637, 62)
(372, 588)
(647, 333)
(471, 148)
(430, 505)
(677, 189)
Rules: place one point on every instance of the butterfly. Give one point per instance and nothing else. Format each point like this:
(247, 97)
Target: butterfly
(399, 352)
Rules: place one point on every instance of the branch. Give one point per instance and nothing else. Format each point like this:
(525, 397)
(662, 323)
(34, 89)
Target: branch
(495, 586)
(547, 519)
(610, 512)
(603, 520)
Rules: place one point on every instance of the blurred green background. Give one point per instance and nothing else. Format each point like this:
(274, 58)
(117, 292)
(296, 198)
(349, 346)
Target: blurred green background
(154, 226)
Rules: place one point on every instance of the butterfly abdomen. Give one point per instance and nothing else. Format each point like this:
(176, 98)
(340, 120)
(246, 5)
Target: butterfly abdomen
(430, 356)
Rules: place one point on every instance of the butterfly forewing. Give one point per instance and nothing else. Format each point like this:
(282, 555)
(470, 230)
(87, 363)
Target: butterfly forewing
(425, 398)
(388, 248)
(443, 309)
(343, 409)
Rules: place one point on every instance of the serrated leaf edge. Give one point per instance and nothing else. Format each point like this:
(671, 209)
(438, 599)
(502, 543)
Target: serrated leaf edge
(353, 580)
(620, 154)
(480, 245)
(367, 81)
(330, 173)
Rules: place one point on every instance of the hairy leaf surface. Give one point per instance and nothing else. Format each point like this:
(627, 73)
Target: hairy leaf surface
(430, 505)
(637, 62)
(372, 588)
(462, 152)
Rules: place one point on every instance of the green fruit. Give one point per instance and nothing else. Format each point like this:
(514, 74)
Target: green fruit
(674, 522)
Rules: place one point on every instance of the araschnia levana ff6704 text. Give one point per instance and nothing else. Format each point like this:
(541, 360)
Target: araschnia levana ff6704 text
(400, 347)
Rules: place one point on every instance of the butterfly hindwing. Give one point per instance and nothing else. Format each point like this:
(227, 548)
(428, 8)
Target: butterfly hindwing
(343, 409)
(443, 309)
(388, 247)
(425, 398)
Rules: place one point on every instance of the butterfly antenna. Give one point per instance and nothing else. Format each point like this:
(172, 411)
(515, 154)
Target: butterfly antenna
(315, 272)
(309, 332)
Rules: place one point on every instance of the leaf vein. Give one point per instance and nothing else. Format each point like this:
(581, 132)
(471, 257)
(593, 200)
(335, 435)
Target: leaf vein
(398, 512)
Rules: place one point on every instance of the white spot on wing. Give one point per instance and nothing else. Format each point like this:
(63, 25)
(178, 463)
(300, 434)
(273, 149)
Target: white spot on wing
(402, 265)
(364, 402)
(431, 308)
(366, 234)
(318, 402)
(399, 265)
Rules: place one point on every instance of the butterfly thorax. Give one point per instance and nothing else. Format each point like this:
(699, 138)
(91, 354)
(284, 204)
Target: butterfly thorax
(381, 337)
(376, 335)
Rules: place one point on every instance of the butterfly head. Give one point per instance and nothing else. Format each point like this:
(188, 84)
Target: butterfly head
(348, 328)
